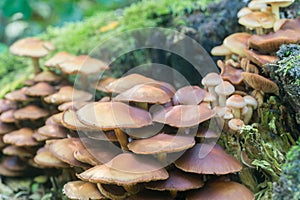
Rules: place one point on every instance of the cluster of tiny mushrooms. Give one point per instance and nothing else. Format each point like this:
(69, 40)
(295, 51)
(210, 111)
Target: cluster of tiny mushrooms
(50, 124)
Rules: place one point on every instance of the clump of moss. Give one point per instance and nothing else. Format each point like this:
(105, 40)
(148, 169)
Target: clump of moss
(288, 186)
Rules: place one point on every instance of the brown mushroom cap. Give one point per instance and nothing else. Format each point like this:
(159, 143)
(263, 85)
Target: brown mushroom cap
(40, 89)
(70, 121)
(53, 131)
(221, 190)
(126, 169)
(30, 112)
(258, 19)
(144, 93)
(260, 59)
(83, 64)
(103, 83)
(106, 115)
(221, 50)
(260, 83)
(47, 76)
(162, 143)
(235, 124)
(22, 152)
(189, 95)
(18, 95)
(6, 105)
(127, 82)
(230, 73)
(45, 158)
(31, 47)
(293, 24)
(9, 173)
(74, 105)
(150, 195)
(5, 128)
(177, 181)
(271, 42)
(82, 190)
(215, 160)
(58, 58)
(67, 94)
(8, 116)
(237, 42)
(236, 101)
(184, 115)
(64, 149)
(21, 137)
(38, 137)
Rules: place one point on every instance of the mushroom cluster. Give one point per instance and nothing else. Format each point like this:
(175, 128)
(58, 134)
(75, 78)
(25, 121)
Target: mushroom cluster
(143, 139)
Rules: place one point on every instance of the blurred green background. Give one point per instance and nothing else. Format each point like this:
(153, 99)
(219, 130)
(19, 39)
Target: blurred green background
(20, 18)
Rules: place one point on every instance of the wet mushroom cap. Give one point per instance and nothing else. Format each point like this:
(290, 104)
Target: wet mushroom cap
(189, 95)
(30, 112)
(207, 159)
(8, 116)
(53, 131)
(124, 83)
(162, 143)
(82, 190)
(21, 137)
(177, 181)
(6, 105)
(31, 47)
(106, 115)
(230, 73)
(40, 89)
(83, 64)
(71, 121)
(18, 95)
(260, 83)
(126, 169)
(221, 190)
(184, 115)
(67, 94)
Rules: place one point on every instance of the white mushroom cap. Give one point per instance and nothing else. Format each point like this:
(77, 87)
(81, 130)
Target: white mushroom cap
(235, 124)
(211, 79)
(235, 101)
(224, 88)
(250, 101)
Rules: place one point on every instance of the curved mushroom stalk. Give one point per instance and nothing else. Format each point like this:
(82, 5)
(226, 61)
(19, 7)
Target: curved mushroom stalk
(122, 138)
(259, 96)
(36, 65)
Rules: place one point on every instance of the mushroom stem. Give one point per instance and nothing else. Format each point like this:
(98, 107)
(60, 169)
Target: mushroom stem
(275, 11)
(222, 100)
(83, 82)
(236, 113)
(248, 115)
(36, 65)
(259, 96)
(142, 105)
(122, 138)
(259, 31)
(132, 189)
(173, 193)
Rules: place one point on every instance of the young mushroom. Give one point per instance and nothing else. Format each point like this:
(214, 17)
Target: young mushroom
(276, 4)
(252, 105)
(223, 90)
(236, 103)
(33, 48)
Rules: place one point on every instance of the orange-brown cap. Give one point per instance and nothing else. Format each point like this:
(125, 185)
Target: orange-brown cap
(127, 82)
(208, 159)
(260, 59)
(103, 83)
(106, 115)
(70, 121)
(18, 95)
(144, 93)
(83, 64)
(53, 131)
(177, 181)
(126, 169)
(162, 143)
(67, 94)
(230, 73)
(8, 116)
(257, 19)
(64, 149)
(44, 158)
(82, 190)
(30, 112)
(40, 89)
(184, 115)
(21, 137)
(31, 47)
(260, 83)
(221, 190)
(12, 150)
(221, 50)
(58, 58)
(47, 76)
(271, 42)
(237, 42)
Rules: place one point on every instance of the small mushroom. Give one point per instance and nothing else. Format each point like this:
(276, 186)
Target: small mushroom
(189, 95)
(251, 104)
(237, 42)
(221, 50)
(223, 90)
(235, 124)
(258, 21)
(236, 103)
(230, 73)
(276, 4)
(82, 190)
(31, 47)
(21, 137)
(44, 158)
(210, 81)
